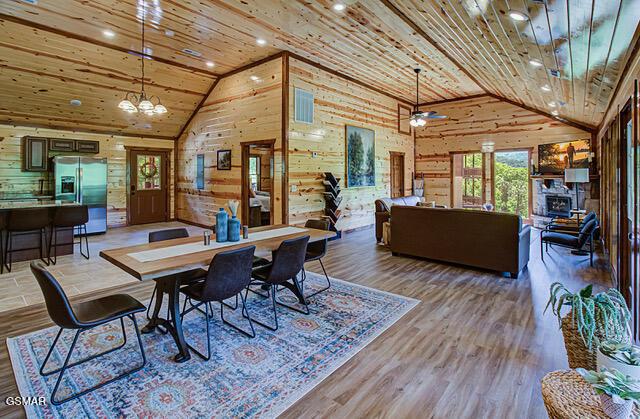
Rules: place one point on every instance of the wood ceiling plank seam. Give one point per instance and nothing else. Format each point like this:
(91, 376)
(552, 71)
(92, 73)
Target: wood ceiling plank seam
(141, 136)
(566, 96)
(457, 99)
(71, 35)
(606, 62)
(458, 47)
(505, 50)
(586, 73)
(479, 42)
(391, 6)
(569, 37)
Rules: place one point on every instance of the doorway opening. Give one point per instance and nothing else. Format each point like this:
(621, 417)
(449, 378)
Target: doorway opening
(148, 191)
(511, 185)
(467, 180)
(396, 160)
(257, 183)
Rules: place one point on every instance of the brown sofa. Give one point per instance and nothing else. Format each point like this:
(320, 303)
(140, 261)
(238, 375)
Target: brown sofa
(489, 240)
(383, 210)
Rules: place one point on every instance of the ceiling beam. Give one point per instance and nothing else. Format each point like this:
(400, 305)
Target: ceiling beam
(71, 35)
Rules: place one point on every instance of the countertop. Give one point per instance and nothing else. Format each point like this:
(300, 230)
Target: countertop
(16, 196)
(19, 204)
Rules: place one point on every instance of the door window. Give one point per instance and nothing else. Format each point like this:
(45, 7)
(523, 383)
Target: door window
(149, 172)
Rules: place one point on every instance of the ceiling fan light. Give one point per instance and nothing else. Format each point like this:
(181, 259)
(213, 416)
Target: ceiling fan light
(422, 122)
(159, 108)
(413, 122)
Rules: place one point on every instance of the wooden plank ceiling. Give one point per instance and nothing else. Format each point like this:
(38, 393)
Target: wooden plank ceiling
(587, 41)
(56, 50)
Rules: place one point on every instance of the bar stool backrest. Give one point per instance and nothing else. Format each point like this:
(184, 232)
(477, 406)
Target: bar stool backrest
(71, 216)
(27, 219)
(55, 299)
(3, 220)
(288, 260)
(229, 273)
(169, 234)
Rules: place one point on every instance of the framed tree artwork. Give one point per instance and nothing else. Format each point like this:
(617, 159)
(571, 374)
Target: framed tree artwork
(224, 160)
(361, 157)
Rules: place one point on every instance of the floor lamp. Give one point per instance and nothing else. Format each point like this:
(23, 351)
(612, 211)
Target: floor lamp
(576, 176)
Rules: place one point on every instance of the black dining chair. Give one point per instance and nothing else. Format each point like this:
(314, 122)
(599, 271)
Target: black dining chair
(69, 218)
(229, 274)
(186, 277)
(82, 317)
(316, 251)
(25, 221)
(286, 263)
(570, 241)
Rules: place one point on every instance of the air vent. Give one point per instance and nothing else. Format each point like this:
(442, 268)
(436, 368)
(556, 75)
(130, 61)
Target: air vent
(554, 73)
(303, 106)
(192, 52)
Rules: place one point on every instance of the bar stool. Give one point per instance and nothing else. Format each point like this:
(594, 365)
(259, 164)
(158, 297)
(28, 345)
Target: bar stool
(69, 218)
(24, 221)
(3, 223)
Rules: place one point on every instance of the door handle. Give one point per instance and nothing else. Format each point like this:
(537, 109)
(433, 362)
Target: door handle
(133, 189)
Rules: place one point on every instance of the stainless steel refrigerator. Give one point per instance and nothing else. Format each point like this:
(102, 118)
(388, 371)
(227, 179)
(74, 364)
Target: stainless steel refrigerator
(84, 180)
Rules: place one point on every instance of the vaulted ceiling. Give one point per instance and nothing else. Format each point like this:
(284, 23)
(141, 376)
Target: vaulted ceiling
(56, 50)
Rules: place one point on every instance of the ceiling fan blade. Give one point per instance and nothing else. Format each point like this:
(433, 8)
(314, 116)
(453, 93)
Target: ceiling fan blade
(432, 116)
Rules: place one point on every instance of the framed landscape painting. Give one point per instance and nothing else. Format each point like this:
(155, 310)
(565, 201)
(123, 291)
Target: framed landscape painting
(361, 157)
(554, 158)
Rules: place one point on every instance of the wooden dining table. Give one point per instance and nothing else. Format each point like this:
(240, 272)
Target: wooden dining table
(164, 261)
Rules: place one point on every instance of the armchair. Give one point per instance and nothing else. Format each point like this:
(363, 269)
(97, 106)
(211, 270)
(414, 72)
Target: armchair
(570, 240)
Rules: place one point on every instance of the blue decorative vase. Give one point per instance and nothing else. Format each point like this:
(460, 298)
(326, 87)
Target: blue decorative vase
(234, 229)
(222, 220)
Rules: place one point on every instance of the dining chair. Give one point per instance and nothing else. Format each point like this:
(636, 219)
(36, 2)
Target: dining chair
(229, 274)
(316, 251)
(69, 218)
(82, 317)
(286, 263)
(185, 277)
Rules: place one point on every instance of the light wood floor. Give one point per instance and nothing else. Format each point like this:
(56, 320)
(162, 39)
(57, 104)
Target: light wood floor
(477, 346)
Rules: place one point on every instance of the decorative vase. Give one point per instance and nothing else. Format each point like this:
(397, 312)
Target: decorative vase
(233, 229)
(222, 219)
(616, 410)
(609, 363)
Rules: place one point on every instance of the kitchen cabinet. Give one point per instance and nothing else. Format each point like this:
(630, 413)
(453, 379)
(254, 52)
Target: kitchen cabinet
(60, 144)
(86, 146)
(35, 154)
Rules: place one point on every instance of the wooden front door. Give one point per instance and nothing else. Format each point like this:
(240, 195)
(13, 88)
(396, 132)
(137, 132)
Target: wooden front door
(397, 174)
(147, 200)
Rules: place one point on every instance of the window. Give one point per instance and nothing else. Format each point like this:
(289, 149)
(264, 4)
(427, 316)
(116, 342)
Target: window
(303, 106)
(200, 171)
(254, 172)
(472, 180)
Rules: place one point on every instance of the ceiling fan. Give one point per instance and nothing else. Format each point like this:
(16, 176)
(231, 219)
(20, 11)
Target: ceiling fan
(418, 117)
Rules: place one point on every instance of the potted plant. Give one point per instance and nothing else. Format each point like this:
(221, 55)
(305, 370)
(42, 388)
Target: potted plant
(591, 320)
(617, 392)
(623, 357)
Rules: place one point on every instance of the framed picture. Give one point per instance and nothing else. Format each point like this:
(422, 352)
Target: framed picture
(200, 171)
(554, 158)
(404, 116)
(224, 159)
(361, 157)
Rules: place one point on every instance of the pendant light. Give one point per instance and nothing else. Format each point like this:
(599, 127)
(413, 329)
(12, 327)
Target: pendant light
(134, 102)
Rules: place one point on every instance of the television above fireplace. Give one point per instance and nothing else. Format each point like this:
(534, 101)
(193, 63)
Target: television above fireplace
(554, 158)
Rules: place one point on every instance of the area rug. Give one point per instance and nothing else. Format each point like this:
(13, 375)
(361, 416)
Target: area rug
(245, 377)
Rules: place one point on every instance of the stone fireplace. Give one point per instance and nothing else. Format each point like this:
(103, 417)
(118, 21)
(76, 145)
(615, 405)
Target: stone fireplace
(558, 205)
(552, 198)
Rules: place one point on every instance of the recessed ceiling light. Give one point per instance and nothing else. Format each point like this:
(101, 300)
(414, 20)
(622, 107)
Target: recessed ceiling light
(338, 7)
(546, 88)
(536, 63)
(254, 78)
(261, 42)
(555, 113)
(108, 33)
(75, 102)
(552, 104)
(518, 16)
(210, 64)
(169, 32)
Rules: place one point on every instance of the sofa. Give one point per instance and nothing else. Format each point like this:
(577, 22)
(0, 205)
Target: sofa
(488, 240)
(383, 210)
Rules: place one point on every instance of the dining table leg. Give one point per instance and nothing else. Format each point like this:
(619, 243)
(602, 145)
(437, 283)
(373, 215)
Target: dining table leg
(170, 286)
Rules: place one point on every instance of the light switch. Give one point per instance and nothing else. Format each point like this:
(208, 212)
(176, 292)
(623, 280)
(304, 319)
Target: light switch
(294, 188)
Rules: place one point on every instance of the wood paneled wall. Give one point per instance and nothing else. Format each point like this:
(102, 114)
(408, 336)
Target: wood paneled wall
(472, 122)
(14, 180)
(243, 107)
(338, 103)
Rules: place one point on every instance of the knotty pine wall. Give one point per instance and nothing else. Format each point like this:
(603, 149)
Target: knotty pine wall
(14, 180)
(470, 123)
(239, 109)
(338, 103)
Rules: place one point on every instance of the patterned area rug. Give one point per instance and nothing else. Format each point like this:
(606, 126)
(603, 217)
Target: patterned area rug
(258, 377)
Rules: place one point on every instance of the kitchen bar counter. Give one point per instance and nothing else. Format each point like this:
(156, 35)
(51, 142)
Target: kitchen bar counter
(20, 204)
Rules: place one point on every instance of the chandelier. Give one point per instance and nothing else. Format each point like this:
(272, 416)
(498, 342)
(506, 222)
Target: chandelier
(140, 102)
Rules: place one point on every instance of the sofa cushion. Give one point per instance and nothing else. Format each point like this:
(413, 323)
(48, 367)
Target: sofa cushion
(411, 200)
(563, 239)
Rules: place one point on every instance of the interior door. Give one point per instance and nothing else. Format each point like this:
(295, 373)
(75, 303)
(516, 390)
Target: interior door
(148, 187)
(635, 250)
(397, 174)
(627, 200)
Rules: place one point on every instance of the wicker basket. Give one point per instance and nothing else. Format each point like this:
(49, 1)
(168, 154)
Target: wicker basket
(578, 354)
